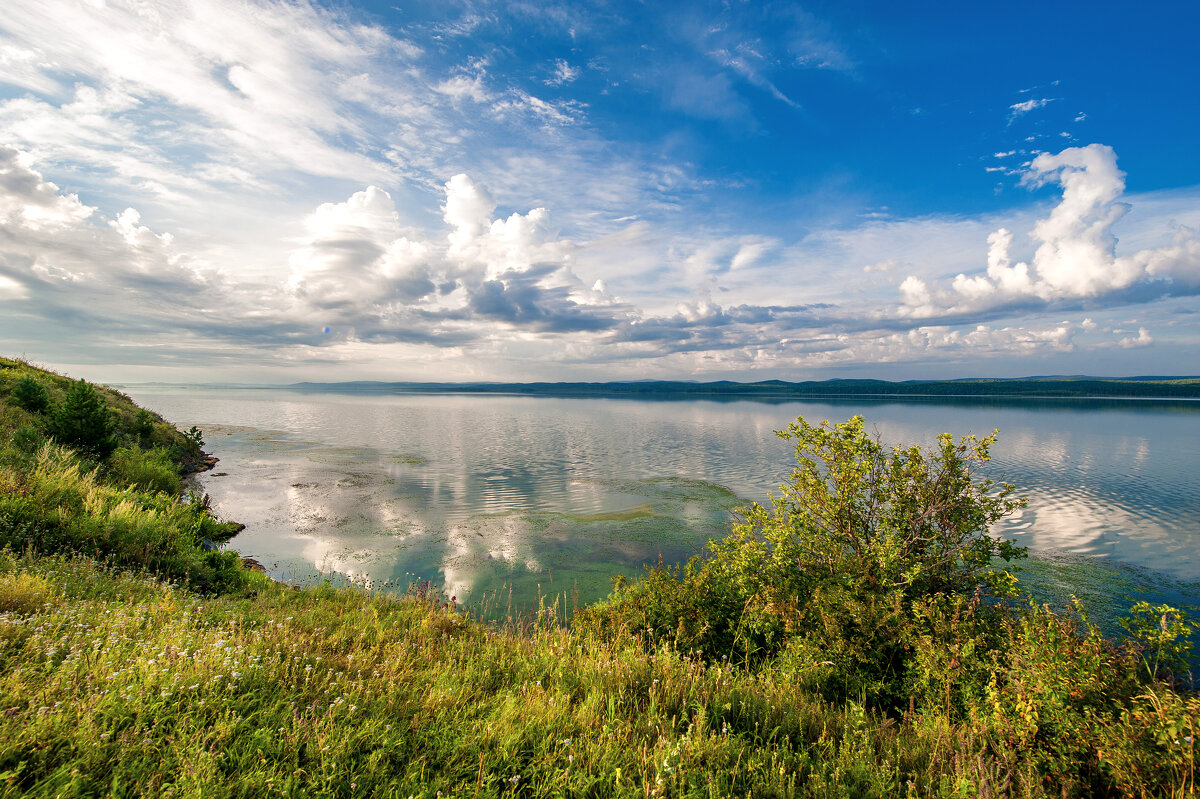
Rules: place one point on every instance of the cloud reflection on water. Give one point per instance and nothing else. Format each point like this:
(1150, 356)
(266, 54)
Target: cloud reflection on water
(480, 493)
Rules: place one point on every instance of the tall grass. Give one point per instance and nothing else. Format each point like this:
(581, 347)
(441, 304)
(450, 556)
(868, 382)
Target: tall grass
(59, 504)
(115, 683)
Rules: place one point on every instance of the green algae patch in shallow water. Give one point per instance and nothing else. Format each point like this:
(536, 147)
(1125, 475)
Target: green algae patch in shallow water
(407, 459)
(1106, 590)
(642, 511)
(279, 442)
(525, 557)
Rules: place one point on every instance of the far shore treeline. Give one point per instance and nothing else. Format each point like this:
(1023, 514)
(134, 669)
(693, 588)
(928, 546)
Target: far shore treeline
(1029, 387)
(862, 634)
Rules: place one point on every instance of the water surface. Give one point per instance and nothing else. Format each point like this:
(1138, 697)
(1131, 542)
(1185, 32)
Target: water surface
(491, 494)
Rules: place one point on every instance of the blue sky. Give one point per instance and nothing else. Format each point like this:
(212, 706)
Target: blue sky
(278, 191)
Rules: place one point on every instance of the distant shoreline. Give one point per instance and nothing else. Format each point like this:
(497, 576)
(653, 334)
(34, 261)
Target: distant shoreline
(1050, 388)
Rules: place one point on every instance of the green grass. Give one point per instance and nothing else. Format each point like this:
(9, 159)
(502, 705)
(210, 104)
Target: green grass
(132, 666)
(114, 682)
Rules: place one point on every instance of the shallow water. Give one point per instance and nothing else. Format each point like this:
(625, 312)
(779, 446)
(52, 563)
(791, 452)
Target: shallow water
(489, 495)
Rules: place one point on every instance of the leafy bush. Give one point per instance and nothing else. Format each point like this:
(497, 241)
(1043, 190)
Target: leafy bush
(1161, 635)
(846, 571)
(84, 422)
(908, 520)
(31, 395)
(194, 437)
(143, 425)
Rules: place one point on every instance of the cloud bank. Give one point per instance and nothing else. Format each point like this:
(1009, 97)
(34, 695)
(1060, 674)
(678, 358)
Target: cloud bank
(226, 187)
(508, 287)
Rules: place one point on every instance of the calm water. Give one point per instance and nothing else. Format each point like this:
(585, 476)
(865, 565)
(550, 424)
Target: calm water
(487, 494)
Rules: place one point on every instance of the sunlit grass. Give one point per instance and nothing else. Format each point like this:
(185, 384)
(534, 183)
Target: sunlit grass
(115, 682)
(161, 691)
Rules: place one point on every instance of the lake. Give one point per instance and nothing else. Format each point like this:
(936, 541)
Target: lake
(512, 497)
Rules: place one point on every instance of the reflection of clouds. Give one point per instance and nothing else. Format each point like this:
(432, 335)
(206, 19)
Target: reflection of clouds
(1133, 450)
(407, 482)
(1085, 523)
(328, 555)
(311, 509)
(347, 523)
(471, 551)
(1053, 451)
(1143, 451)
(1113, 483)
(458, 564)
(1078, 525)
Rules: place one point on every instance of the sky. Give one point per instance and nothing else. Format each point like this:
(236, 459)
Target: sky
(269, 192)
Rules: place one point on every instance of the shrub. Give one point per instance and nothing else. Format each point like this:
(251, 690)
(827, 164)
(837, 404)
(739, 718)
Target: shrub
(852, 565)
(31, 395)
(1161, 634)
(143, 425)
(909, 520)
(194, 437)
(84, 422)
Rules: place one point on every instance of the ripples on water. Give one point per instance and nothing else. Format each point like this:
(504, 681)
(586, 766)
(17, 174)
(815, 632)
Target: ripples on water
(480, 492)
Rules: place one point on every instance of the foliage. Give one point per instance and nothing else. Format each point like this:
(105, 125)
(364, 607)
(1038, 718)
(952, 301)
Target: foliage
(31, 395)
(143, 426)
(1161, 633)
(62, 507)
(145, 470)
(194, 437)
(27, 440)
(126, 512)
(908, 520)
(114, 683)
(84, 422)
(846, 570)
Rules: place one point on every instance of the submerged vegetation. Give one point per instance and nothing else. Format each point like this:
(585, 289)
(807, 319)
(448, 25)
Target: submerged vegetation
(860, 636)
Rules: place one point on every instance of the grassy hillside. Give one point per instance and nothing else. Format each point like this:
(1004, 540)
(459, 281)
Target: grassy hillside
(132, 662)
(124, 509)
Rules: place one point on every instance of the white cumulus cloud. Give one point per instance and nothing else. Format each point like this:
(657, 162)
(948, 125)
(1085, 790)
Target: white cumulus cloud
(1143, 339)
(1076, 255)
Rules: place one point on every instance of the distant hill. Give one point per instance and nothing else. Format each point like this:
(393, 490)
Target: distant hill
(1082, 386)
